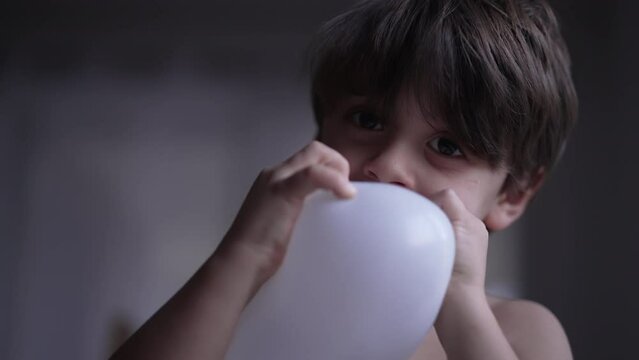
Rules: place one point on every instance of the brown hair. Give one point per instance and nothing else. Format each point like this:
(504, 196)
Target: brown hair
(496, 71)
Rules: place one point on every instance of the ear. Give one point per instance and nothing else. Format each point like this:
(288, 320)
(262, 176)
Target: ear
(512, 201)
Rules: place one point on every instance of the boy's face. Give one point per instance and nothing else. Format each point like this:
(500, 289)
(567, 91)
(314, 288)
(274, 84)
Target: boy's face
(415, 151)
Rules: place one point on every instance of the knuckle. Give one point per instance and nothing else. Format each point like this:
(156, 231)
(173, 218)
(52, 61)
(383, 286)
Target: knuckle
(342, 160)
(314, 146)
(481, 228)
(474, 226)
(448, 193)
(276, 176)
(308, 174)
(443, 197)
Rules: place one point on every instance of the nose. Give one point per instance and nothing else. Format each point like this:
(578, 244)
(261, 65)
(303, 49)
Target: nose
(390, 165)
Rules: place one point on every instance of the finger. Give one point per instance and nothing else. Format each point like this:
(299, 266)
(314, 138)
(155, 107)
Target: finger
(313, 153)
(451, 204)
(314, 177)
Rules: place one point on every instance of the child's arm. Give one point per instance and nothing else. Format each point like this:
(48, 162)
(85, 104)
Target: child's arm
(200, 319)
(467, 326)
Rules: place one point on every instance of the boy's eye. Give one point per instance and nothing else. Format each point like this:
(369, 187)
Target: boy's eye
(445, 147)
(366, 120)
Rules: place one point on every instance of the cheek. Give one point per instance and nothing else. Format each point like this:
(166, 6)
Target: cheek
(480, 196)
(472, 200)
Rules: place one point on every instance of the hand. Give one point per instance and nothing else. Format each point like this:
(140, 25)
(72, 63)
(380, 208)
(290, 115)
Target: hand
(200, 319)
(266, 219)
(467, 326)
(471, 241)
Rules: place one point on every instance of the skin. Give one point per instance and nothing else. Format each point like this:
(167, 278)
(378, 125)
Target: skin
(417, 151)
(408, 150)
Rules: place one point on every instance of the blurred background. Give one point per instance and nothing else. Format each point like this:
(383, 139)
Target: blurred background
(130, 132)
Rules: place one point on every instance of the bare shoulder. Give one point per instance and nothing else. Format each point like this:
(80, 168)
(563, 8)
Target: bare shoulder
(531, 329)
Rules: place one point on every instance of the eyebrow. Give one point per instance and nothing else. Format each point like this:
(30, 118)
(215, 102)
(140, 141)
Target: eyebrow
(436, 124)
(376, 103)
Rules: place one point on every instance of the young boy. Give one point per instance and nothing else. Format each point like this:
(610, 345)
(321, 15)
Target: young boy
(467, 102)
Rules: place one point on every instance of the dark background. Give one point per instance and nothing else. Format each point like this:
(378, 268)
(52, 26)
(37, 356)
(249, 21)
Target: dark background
(582, 234)
(130, 131)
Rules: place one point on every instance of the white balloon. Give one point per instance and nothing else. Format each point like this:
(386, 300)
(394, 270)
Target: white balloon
(363, 279)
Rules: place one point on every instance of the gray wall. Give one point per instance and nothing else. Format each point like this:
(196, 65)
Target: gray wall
(582, 234)
(130, 132)
(12, 208)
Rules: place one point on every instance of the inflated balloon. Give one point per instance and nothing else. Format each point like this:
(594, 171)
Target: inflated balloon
(363, 279)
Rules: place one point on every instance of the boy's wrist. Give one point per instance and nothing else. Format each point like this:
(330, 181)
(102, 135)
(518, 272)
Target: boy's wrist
(256, 264)
(463, 313)
(460, 292)
(460, 301)
(469, 285)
